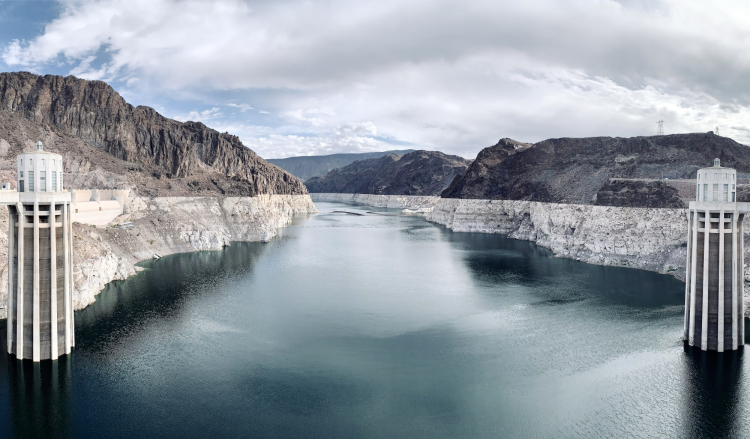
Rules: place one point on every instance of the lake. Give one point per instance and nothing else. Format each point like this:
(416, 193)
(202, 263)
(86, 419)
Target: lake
(372, 324)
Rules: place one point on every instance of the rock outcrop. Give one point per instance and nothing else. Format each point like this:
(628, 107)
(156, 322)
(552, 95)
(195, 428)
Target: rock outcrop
(424, 173)
(573, 171)
(78, 118)
(306, 167)
(639, 193)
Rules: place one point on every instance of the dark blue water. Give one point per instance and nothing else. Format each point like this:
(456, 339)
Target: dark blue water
(379, 327)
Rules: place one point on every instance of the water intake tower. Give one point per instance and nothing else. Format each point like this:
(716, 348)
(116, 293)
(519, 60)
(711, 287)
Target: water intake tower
(40, 281)
(714, 307)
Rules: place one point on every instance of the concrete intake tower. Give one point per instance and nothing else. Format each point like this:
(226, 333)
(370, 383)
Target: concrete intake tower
(714, 307)
(40, 285)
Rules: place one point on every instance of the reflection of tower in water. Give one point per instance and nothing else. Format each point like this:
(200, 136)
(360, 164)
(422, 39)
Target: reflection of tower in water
(39, 395)
(711, 393)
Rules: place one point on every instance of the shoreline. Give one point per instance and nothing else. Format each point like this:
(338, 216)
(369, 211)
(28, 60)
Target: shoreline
(651, 239)
(163, 225)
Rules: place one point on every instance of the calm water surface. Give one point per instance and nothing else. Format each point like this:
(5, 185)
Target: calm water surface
(379, 326)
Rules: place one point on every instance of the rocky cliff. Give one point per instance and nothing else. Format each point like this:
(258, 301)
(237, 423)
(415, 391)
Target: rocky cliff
(573, 171)
(639, 193)
(649, 239)
(93, 127)
(422, 173)
(163, 225)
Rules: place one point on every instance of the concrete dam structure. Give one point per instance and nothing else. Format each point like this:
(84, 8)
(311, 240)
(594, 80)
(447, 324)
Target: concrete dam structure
(714, 306)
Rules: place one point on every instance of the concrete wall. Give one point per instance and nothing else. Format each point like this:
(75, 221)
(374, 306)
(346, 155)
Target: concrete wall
(96, 206)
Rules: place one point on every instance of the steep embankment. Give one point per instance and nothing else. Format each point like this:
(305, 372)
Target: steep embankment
(306, 167)
(573, 171)
(649, 239)
(163, 225)
(93, 127)
(424, 173)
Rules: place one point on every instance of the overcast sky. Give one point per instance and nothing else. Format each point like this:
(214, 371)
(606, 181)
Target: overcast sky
(320, 77)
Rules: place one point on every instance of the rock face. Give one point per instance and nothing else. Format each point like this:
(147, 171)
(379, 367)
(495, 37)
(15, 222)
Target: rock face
(136, 139)
(163, 225)
(636, 193)
(306, 167)
(417, 173)
(649, 239)
(574, 170)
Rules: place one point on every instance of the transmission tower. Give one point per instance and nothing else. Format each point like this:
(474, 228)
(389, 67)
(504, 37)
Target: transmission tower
(717, 131)
(660, 128)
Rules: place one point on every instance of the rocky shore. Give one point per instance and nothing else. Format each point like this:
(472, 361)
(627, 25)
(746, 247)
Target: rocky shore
(415, 204)
(163, 225)
(648, 239)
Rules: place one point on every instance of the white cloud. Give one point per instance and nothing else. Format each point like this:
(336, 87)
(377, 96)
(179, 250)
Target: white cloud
(341, 139)
(447, 75)
(242, 107)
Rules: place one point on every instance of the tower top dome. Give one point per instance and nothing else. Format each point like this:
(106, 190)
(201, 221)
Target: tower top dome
(717, 162)
(40, 147)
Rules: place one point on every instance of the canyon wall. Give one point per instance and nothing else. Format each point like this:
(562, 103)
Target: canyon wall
(162, 225)
(648, 239)
(411, 203)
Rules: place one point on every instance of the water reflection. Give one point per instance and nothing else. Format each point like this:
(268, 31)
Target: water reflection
(497, 259)
(712, 393)
(39, 395)
(160, 292)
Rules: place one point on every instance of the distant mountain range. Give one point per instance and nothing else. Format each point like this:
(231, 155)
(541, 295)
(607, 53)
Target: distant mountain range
(416, 173)
(611, 171)
(306, 167)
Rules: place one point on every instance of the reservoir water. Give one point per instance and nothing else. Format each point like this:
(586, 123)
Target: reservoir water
(378, 325)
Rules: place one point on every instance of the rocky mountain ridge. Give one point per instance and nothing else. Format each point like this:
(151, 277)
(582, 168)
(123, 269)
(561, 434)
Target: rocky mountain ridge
(80, 118)
(416, 173)
(574, 171)
(306, 167)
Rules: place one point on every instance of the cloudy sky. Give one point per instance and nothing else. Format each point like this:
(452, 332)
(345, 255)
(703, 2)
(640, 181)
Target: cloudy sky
(320, 77)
